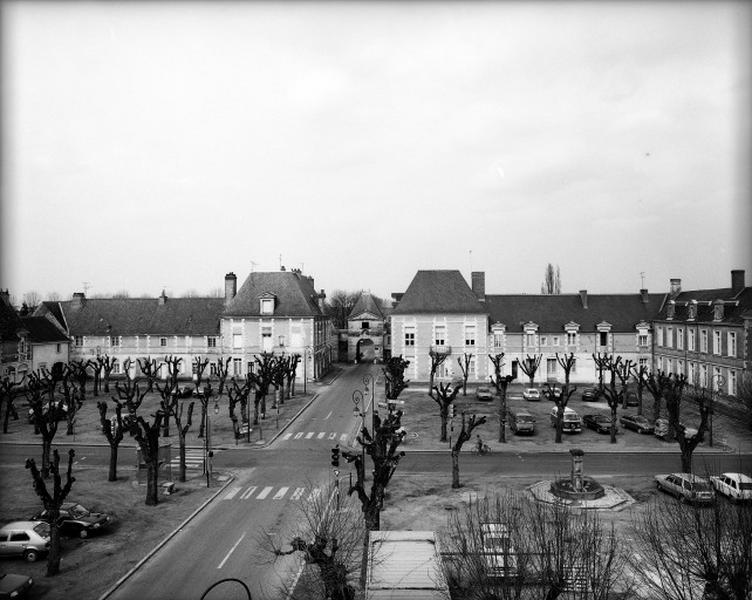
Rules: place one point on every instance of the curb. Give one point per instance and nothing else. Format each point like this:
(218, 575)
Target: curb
(169, 536)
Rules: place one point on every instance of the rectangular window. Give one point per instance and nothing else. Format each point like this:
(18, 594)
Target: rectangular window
(498, 340)
(543, 340)
(213, 369)
(409, 336)
(692, 373)
(642, 340)
(471, 367)
(237, 340)
(211, 342)
(659, 341)
(267, 306)
(116, 367)
(237, 366)
(669, 337)
(571, 338)
(365, 325)
(114, 340)
(716, 342)
(281, 340)
(163, 342)
(679, 338)
(680, 367)
(603, 338)
(703, 340)
(717, 379)
(443, 371)
(78, 341)
(704, 376)
(643, 362)
(732, 382)
(469, 335)
(731, 344)
(691, 340)
(440, 335)
(556, 341)
(266, 339)
(551, 367)
(530, 339)
(58, 347)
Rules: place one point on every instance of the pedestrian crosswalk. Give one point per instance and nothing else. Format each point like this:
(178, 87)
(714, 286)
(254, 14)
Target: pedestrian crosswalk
(269, 492)
(194, 459)
(316, 435)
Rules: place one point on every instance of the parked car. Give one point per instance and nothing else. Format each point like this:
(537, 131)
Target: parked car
(552, 393)
(637, 423)
(686, 486)
(598, 422)
(571, 420)
(590, 394)
(75, 520)
(661, 429)
(532, 394)
(14, 586)
(521, 421)
(28, 539)
(484, 393)
(632, 399)
(62, 414)
(499, 555)
(735, 486)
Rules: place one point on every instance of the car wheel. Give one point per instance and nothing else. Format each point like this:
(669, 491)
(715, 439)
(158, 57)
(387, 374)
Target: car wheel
(83, 534)
(640, 430)
(31, 555)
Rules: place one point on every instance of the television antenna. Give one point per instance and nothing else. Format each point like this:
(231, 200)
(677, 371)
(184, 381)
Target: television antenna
(642, 279)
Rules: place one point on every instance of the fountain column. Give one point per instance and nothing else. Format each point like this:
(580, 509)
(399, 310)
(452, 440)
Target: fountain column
(576, 479)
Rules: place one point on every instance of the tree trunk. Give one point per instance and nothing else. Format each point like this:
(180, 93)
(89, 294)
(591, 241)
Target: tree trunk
(455, 468)
(53, 558)
(686, 460)
(112, 476)
(46, 451)
(612, 429)
(372, 515)
(559, 425)
(444, 419)
(204, 408)
(639, 400)
(656, 408)
(181, 468)
(152, 482)
(503, 416)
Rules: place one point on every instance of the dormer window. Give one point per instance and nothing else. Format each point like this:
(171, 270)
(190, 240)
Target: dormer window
(670, 309)
(267, 306)
(718, 311)
(692, 311)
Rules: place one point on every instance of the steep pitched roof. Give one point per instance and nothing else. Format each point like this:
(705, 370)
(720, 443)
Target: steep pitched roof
(10, 322)
(735, 305)
(294, 295)
(42, 330)
(366, 303)
(142, 316)
(552, 312)
(441, 291)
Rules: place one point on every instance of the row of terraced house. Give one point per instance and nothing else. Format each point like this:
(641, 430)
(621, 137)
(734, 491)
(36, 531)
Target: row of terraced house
(704, 333)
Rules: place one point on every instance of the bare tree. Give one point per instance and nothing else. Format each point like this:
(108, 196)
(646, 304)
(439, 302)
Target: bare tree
(623, 370)
(501, 382)
(602, 362)
(567, 364)
(445, 394)
(639, 374)
(437, 359)
(530, 365)
(106, 364)
(147, 436)
(466, 431)
(48, 409)
(222, 372)
(612, 394)
(394, 376)
(551, 280)
(292, 367)
(339, 304)
(172, 407)
(32, 299)
(464, 364)
(266, 365)
(112, 429)
(53, 502)
(9, 390)
(150, 369)
(695, 553)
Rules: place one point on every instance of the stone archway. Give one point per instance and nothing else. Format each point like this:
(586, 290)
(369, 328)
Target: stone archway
(365, 350)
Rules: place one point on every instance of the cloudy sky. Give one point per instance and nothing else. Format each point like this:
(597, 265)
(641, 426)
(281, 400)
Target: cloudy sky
(150, 145)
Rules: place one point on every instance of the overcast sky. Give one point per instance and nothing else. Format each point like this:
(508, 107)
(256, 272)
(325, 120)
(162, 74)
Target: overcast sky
(150, 145)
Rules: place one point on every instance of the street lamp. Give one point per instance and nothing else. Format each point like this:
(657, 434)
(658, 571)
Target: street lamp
(305, 370)
(370, 386)
(357, 398)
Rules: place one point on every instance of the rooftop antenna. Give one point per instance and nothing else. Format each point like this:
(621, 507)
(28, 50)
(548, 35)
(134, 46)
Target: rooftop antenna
(253, 266)
(280, 262)
(642, 279)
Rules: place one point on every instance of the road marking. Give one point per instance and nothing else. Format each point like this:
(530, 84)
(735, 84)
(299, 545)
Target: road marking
(309, 435)
(315, 493)
(298, 435)
(329, 415)
(232, 493)
(224, 560)
(287, 436)
(281, 493)
(343, 437)
(332, 436)
(297, 493)
(247, 494)
(321, 435)
(264, 493)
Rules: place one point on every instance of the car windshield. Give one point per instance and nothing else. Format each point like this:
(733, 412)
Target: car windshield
(745, 486)
(78, 511)
(526, 418)
(42, 528)
(701, 486)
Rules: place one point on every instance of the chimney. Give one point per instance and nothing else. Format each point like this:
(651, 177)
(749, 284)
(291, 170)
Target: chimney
(162, 298)
(79, 299)
(583, 298)
(5, 296)
(737, 281)
(478, 279)
(231, 287)
(644, 295)
(321, 298)
(675, 287)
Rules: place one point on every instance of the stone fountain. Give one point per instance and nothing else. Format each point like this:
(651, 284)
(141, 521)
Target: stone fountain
(577, 486)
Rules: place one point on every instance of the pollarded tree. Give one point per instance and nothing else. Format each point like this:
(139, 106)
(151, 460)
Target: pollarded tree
(48, 409)
(71, 398)
(176, 409)
(394, 377)
(267, 363)
(279, 375)
(292, 367)
(623, 371)
(147, 436)
(80, 375)
(9, 390)
(52, 503)
(445, 395)
(150, 369)
(612, 394)
(530, 365)
(466, 432)
(222, 372)
(602, 362)
(112, 429)
(501, 382)
(567, 364)
(106, 364)
(464, 364)
(437, 359)
(238, 394)
(640, 374)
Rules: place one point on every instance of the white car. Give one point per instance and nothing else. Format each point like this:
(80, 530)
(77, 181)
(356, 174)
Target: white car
(686, 487)
(735, 486)
(531, 394)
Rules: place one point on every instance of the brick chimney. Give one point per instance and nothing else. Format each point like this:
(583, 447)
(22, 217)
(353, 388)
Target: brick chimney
(737, 281)
(478, 279)
(162, 298)
(583, 298)
(79, 299)
(231, 287)
(674, 287)
(644, 295)
(321, 297)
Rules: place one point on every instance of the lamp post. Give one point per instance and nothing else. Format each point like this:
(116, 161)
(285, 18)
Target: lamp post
(370, 385)
(357, 398)
(205, 394)
(305, 370)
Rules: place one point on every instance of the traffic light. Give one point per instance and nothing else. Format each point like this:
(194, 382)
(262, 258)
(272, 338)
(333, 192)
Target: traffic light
(335, 456)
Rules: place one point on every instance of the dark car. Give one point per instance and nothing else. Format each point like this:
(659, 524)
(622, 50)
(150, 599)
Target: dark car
(637, 423)
(14, 586)
(632, 399)
(484, 393)
(552, 393)
(62, 413)
(598, 422)
(75, 520)
(590, 394)
(521, 421)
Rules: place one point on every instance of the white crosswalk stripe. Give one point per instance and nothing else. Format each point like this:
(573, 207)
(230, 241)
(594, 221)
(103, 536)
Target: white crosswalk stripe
(194, 459)
(280, 493)
(252, 493)
(319, 435)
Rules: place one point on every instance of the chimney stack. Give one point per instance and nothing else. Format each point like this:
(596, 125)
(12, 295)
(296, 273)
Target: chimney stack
(321, 298)
(231, 287)
(737, 281)
(675, 287)
(583, 298)
(79, 299)
(162, 298)
(478, 280)
(644, 295)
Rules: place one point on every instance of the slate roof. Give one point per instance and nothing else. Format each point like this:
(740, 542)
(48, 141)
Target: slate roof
(144, 316)
(42, 330)
(10, 322)
(366, 303)
(552, 312)
(294, 293)
(441, 291)
(736, 305)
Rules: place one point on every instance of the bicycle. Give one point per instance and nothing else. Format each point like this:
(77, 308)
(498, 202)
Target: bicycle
(480, 449)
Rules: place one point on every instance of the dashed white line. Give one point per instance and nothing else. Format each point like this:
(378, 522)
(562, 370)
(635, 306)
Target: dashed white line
(321, 435)
(329, 415)
(224, 560)
(287, 436)
(332, 436)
